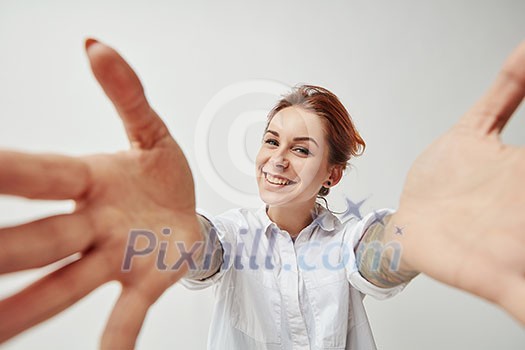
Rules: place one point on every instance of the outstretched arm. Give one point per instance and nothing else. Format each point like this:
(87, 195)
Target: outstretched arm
(460, 218)
(146, 192)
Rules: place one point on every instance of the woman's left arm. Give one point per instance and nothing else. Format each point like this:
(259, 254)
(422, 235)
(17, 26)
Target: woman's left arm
(461, 214)
(379, 255)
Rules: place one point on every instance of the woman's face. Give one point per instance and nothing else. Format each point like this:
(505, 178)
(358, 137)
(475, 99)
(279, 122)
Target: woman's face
(292, 163)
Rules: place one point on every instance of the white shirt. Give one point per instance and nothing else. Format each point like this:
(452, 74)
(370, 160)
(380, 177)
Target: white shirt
(274, 293)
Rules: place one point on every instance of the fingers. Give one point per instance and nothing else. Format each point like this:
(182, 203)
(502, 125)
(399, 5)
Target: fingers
(122, 86)
(44, 241)
(492, 112)
(126, 320)
(51, 295)
(43, 176)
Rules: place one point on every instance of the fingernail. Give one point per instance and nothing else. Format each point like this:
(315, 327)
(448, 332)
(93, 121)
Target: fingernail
(90, 42)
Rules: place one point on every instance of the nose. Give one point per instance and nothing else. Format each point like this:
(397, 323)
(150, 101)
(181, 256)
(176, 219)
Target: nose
(278, 161)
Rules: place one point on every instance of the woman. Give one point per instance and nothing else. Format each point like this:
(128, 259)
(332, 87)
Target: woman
(285, 281)
(465, 173)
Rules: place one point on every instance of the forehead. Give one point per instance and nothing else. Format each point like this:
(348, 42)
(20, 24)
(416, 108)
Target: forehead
(295, 121)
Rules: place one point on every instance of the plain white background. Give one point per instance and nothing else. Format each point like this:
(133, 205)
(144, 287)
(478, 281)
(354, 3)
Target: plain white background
(406, 70)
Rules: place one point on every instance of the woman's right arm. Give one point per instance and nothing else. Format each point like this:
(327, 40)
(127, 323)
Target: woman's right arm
(135, 206)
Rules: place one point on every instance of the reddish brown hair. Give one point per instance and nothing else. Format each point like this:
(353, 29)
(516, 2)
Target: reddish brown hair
(342, 136)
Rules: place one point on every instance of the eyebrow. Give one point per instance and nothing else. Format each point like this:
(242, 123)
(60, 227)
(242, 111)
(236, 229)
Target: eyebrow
(302, 138)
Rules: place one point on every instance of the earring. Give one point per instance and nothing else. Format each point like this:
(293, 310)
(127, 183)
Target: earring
(329, 183)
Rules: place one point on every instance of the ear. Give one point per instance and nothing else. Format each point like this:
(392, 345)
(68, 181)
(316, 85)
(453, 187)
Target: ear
(335, 175)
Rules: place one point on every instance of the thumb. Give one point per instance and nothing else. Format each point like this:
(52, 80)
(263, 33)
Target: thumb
(122, 85)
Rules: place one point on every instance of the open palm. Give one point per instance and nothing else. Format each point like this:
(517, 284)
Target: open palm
(464, 200)
(149, 187)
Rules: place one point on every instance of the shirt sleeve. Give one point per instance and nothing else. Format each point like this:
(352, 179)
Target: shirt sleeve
(354, 230)
(224, 229)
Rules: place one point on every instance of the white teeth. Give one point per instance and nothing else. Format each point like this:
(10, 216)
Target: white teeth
(276, 181)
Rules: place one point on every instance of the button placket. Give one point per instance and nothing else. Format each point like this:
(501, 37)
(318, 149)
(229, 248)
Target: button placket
(289, 281)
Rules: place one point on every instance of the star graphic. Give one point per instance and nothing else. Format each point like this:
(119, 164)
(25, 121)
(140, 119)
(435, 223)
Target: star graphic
(378, 217)
(352, 209)
(399, 230)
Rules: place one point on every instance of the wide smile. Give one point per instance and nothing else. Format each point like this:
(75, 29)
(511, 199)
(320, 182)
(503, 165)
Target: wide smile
(277, 181)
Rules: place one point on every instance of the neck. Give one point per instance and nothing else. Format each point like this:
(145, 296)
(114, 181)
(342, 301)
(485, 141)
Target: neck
(292, 218)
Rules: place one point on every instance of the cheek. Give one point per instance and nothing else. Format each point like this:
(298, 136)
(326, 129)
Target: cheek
(260, 158)
(309, 170)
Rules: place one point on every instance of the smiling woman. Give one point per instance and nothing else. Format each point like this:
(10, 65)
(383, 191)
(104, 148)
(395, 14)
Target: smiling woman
(310, 295)
(308, 140)
(289, 152)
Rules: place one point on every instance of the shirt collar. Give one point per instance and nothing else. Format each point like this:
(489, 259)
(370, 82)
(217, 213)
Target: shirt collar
(325, 218)
(322, 217)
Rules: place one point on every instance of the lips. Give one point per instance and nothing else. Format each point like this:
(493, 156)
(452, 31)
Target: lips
(277, 180)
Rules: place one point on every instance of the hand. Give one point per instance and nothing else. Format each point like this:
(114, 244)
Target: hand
(463, 204)
(149, 187)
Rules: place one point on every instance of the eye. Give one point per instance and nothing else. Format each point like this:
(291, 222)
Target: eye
(272, 142)
(303, 150)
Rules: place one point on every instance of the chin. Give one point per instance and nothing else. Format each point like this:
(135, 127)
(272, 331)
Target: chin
(271, 199)
(276, 199)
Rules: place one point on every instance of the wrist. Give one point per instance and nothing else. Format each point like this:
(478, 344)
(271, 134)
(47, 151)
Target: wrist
(417, 230)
